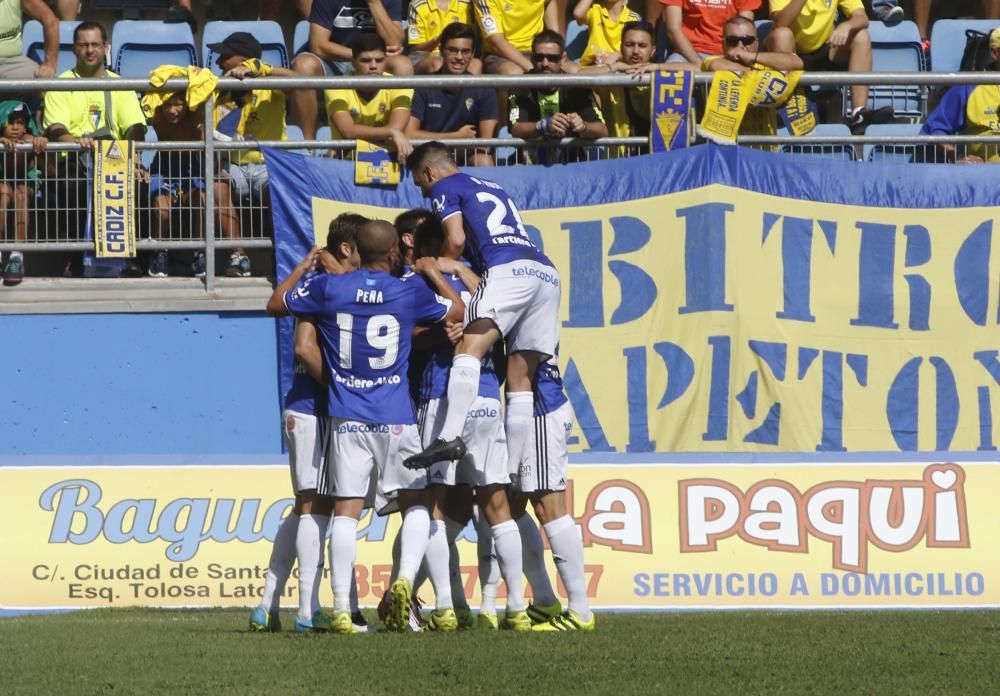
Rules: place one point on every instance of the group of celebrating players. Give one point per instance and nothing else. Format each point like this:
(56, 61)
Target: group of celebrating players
(404, 335)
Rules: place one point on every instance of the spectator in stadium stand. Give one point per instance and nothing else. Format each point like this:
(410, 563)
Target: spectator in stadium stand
(442, 113)
(695, 26)
(508, 29)
(257, 114)
(969, 110)
(176, 181)
(334, 27)
(20, 178)
(568, 112)
(377, 116)
(83, 117)
(604, 21)
(809, 28)
(13, 64)
(627, 109)
(427, 20)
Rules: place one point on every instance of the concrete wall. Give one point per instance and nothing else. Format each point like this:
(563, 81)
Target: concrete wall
(133, 384)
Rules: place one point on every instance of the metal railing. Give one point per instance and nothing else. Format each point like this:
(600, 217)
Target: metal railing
(189, 201)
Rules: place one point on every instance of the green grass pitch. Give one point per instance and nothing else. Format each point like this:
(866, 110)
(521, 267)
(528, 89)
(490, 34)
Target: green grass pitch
(210, 652)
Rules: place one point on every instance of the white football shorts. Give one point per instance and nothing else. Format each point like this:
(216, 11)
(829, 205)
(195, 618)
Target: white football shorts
(305, 458)
(485, 463)
(544, 463)
(368, 457)
(522, 299)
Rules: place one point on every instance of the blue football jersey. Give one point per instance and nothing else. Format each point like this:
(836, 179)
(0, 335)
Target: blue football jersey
(494, 232)
(429, 369)
(549, 392)
(306, 394)
(365, 321)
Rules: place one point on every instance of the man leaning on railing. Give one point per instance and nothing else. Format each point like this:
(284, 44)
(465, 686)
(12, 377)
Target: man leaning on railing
(83, 117)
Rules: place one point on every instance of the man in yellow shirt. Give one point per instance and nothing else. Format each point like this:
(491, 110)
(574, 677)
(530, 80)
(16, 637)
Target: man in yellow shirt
(508, 27)
(378, 115)
(809, 28)
(82, 117)
(427, 19)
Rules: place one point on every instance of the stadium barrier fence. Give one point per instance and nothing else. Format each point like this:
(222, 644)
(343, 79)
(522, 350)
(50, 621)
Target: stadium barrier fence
(195, 222)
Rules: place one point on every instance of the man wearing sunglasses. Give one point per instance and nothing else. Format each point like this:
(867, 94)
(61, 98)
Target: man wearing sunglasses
(809, 28)
(741, 51)
(695, 27)
(570, 112)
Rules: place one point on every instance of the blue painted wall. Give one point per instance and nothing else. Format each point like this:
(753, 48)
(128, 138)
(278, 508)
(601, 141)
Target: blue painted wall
(113, 384)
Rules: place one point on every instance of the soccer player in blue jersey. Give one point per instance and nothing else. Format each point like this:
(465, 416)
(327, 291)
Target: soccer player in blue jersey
(365, 322)
(302, 533)
(517, 300)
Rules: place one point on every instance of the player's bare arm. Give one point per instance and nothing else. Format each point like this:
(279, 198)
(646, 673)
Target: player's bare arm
(307, 350)
(428, 268)
(276, 304)
(455, 267)
(454, 236)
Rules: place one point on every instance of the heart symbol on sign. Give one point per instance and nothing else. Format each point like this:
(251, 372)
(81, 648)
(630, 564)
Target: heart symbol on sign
(944, 478)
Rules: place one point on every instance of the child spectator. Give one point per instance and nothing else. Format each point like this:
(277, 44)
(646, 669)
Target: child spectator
(427, 19)
(20, 177)
(605, 20)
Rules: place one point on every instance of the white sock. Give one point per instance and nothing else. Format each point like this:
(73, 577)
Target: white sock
(489, 569)
(533, 557)
(567, 552)
(309, 550)
(452, 530)
(463, 386)
(507, 541)
(343, 550)
(436, 560)
(520, 410)
(413, 540)
(279, 567)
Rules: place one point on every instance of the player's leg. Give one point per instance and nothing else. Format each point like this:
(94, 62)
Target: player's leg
(437, 561)
(314, 519)
(489, 571)
(521, 368)
(492, 501)
(265, 616)
(414, 535)
(457, 513)
(463, 387)
(343, 553)
(544, 604)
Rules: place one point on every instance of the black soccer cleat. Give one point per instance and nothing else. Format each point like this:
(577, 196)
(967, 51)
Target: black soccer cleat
(437, 451)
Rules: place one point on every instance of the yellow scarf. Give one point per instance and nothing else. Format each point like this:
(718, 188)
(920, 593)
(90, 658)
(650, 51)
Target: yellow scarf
(732, 94)
(201, 83)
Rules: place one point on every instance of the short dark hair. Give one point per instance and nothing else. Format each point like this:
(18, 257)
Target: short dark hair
(740, 19)
(344, 228)
(367, 42)
(433, 151)
(639, 25)
(408, 222)
(428, 238)
(457, 30)
(90, 26)
(548, 36)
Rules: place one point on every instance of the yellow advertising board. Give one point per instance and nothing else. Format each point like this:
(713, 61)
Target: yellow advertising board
(657, 534)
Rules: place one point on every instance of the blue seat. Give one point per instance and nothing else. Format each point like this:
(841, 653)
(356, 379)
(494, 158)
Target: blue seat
(764, 27)
(948, 41)
(577, 37)
(268, 33)
(896, 49)
(300, 40)
(838, 151)
(34, 44)
(141, 46)
(892, 152)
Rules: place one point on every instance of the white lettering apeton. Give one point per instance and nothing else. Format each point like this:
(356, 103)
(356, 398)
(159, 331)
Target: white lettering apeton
(892, 515)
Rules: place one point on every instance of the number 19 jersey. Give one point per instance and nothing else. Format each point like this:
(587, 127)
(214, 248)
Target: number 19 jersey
(365, 321)
(494, 232)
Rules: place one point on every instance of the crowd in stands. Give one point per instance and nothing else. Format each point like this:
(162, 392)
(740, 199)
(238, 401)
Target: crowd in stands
(447, 37)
